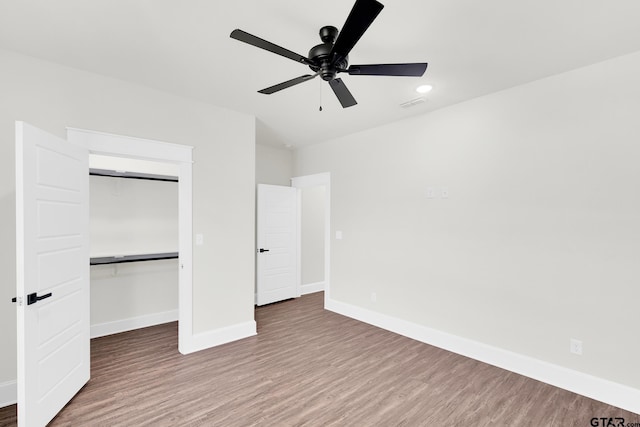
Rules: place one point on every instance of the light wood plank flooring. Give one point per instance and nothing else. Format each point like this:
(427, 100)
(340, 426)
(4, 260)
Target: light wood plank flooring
(309, 367)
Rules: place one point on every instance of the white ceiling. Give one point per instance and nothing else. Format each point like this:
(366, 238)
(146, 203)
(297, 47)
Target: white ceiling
(473, 48)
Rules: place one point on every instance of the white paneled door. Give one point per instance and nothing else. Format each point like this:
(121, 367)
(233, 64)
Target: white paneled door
(52, 226)
(277, 238)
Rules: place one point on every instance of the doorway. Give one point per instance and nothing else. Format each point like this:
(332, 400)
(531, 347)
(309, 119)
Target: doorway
(52, 253)
(308, 220)
(125, 147)
(314, 223)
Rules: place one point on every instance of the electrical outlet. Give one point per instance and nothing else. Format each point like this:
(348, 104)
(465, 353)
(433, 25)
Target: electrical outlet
(431, 193)
(575, 346)
(374, 297)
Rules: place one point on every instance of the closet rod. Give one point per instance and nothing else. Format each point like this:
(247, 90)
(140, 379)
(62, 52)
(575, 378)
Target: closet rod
(132, 258)
(133, 175)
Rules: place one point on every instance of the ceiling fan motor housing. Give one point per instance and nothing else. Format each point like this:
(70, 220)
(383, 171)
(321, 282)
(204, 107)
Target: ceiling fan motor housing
(321, 55)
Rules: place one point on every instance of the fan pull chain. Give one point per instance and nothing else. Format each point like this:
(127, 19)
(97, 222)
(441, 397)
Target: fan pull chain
(320, 86)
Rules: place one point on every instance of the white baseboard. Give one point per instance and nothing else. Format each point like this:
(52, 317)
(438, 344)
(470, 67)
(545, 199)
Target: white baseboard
(310, 288)
(117, 326)
(8, 393)
(220, 336)
(606, 391)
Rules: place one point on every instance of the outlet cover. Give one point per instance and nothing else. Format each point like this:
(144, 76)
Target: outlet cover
(575, 346)
(431, 193)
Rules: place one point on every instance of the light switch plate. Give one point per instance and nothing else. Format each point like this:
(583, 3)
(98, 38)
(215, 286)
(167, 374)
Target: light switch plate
(199, 239)
(338, 235)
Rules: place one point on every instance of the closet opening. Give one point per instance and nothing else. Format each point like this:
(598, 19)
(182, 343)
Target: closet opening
(127, 291)
(134, 239)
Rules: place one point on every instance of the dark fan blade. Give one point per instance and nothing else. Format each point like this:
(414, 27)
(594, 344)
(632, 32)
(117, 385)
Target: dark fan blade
(343, 94)
(410, 70)
(364, 12)
(263, 44)
(288, 83)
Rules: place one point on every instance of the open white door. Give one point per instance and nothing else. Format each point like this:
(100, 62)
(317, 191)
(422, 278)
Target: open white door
(52, 250)
(277, 264)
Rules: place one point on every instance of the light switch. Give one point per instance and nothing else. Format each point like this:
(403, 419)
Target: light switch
(199, 239)
(338, 235)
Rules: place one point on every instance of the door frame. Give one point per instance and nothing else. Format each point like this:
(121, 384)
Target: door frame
(317, 180)
(145, 149)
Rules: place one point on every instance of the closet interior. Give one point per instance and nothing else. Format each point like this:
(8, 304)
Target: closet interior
(134, 243)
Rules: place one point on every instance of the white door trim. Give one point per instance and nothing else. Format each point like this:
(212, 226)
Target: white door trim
(145, 149)
(320, 179)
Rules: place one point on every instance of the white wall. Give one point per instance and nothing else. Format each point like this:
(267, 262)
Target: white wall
(124, 294)
(53, 97)
(132, 216)
(312, 238)
(273, 165)
(537, 241)
(97, 161)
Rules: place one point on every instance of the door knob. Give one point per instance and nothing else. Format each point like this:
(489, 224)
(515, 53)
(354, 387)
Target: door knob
(34, 298)
(264, 250)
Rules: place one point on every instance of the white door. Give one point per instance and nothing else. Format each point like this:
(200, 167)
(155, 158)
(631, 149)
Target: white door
(277, 264)
(52, 251)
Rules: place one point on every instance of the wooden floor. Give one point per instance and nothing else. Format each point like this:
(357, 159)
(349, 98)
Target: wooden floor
(309, 367)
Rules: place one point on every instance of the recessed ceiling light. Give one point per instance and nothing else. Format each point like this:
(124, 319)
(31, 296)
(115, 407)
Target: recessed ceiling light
(424, 88)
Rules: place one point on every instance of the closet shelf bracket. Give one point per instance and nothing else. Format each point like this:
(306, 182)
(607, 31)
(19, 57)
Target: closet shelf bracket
(132, 258)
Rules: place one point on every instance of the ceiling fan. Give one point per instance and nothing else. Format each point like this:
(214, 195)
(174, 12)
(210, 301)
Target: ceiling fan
(332, 56)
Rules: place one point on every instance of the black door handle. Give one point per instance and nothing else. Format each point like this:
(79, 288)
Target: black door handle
(34, 298)
(264, 250)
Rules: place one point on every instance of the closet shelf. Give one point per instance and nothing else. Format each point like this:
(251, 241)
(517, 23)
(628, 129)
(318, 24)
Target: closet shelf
(132, 175)
(132, 258)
